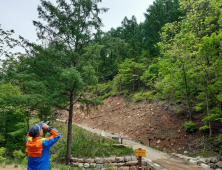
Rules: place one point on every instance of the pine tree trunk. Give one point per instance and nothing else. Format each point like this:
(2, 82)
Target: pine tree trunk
(41, 115)
(208, 113)
(69, 135)
(45, 117)
(187, 93)
(120, 87)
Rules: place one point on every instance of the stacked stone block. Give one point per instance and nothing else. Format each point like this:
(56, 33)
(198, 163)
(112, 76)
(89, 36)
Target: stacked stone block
(205, 163)
(117, 163)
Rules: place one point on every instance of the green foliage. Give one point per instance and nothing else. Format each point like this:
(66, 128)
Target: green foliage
(18, 154)
(217, 142)
(1, 159)
(13, 136)
(169, 57)
(150, 75)
(158, 14)
(7, 43)
(190, 127)
(138, 96)
(2, 151)
(130, 73)
(148, 95)
(90, 103)
(86, 144)
(204, 154)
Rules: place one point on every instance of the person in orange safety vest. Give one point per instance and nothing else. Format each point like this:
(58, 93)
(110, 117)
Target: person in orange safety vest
(38, 148)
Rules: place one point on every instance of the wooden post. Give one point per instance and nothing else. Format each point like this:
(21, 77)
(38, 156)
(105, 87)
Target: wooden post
(149, 140)
(140, 162)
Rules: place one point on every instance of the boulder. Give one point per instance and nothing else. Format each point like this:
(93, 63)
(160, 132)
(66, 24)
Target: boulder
(123, 168)
(133, 158)
(99, 160)
(119, 159)
(149, 161)
(198, 157)
(120, 164)
(74, 164)
(112, 165)
(192, 161)
(185, 158)
(131, 163)
(133, 168)
(207, 160)
(80, 165)
(219, 164)
(81, 161)
(99, 166)
(156, 166)
(213, 160)
(86, 165)
(74, 160)
(127, 158)
(109, 160)
(199, 162)
(92, 165)
(203, 160)
(89, 161)
(205, 166)
(144, 163)
(212, 165)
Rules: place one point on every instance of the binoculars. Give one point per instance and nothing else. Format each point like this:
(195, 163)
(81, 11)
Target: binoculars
(47, 122)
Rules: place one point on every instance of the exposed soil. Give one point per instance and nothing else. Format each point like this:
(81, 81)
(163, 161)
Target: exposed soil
(139, 122)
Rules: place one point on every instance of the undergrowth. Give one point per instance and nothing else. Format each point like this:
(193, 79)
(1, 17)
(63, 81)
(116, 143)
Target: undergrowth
(85, 144)
(204, 154)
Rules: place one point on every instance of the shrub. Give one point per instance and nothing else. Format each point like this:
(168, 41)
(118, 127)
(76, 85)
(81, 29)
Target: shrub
(189, 126)
(18, 154)
(217, 142)
(149, 95)
(1, 159)
(2, 151)
(138, 97)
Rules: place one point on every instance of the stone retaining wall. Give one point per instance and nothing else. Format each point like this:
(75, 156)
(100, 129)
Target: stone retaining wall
(206, 163)
(118, 163)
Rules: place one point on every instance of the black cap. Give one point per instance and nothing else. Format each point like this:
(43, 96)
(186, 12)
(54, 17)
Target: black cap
(35, 129)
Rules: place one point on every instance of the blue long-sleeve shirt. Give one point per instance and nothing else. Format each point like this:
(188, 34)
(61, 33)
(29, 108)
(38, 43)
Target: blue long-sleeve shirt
(38, 150)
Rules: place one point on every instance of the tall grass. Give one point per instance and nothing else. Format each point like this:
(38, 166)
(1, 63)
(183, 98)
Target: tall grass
(85, 144)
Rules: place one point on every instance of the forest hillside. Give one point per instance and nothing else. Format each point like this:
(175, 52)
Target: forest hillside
(172, 61)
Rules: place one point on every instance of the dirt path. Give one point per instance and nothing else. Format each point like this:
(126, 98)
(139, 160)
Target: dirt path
(156, 156)
(12, 167)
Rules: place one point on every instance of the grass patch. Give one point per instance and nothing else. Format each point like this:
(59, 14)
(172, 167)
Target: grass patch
(204, 154)
(86, 144)
(16, 162)
(62, 167)
(154, 147)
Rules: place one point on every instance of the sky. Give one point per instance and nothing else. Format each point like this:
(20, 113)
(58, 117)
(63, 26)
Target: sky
(19, 14)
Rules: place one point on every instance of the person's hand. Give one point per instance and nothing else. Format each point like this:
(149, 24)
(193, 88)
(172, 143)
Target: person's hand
(45, 126)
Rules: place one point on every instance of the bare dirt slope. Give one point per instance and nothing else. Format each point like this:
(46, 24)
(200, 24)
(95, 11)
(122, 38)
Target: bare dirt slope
(139, 122)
